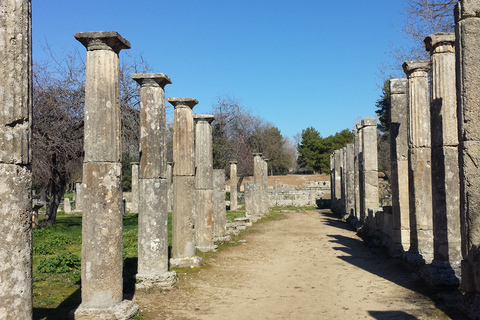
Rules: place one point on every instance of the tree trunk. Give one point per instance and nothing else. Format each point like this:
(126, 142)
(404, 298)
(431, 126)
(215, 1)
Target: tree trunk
(58, 184)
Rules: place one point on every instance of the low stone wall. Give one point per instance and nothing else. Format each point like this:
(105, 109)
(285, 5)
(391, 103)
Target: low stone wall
(312, 193)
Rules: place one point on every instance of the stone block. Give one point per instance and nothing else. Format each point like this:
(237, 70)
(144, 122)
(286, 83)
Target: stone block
(204, 218)
(183, 216)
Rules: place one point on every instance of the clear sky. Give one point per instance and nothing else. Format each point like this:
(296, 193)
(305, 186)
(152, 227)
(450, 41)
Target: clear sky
(295, 63)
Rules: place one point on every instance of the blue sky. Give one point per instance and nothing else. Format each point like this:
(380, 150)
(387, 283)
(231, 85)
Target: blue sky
(294, 63)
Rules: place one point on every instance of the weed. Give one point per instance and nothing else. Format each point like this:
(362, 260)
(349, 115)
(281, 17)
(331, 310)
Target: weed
(61, 263)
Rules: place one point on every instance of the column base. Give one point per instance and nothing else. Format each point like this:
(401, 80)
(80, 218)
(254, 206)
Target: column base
(120, 311)
(414, 260)
(189, 262)
(212, 248)
(165, 280)
(222, 239)
(438, 276)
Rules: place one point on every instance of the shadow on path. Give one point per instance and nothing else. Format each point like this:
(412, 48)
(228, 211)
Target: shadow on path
(377, 261)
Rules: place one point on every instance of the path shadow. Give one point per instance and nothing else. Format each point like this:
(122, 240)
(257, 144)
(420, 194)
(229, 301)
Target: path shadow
(391, 315)
(377, 261)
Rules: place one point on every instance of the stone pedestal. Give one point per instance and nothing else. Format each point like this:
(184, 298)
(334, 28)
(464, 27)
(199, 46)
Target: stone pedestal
(399, 162)
(15, 172)
(445, 173)
(183, 215)
(219, 207)
(102, 264)
(233, 186)
(153, 185)
(419, 168)
(468, 98)
(204, 183)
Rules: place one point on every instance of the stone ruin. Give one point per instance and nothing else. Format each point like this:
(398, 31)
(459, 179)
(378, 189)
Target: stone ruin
(432, 220)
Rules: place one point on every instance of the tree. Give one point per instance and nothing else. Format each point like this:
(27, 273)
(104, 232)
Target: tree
(269, 141)
(383, 145)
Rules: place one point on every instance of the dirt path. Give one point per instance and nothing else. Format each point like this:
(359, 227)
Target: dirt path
(307, 266)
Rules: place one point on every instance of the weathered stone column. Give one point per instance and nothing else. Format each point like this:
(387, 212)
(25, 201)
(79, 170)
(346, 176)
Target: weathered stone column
(468, 99)
(153, 185)
(135, 194)
(233, 186)
(447, 253)
(350, 180)
(204, 183)
(265, 185)
(419, 167)
(219, 207)
(102, 263)
(343, 171)
(361, 193)
(332, 180)
(356, 175)
(338, 180)
(369, 160)
(15, 170)
(399, 163)
(251, 205)
(78, 197)
(257, 179)
(183, 215)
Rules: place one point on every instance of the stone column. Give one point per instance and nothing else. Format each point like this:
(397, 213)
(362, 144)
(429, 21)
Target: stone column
(233, 186)
(419, 154)
(338, 180)
(361, 192)
(78, 197)
(265, 185)
(204, 183)
(219, 207)
(15, 172)
(399, 163)
(102, 263)
(153, 185)
(369, 160)
(257, 179)
(251, 205)
(135, 193)
(343, 171)
(350, 180)
(356, 175)
(183, 215)
(447, 252)
(468, 99)
(332, 180)
(67, 207)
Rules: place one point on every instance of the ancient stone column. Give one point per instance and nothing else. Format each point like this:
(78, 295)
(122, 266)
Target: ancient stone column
(102, 263)
(369, 160)
(419, 167)
(219, 207)
(338, 180)
(183, 215)
(153, 184)
(350, 179)
(233, 186)
(468, 99)
(332, 180)
(170, 186)
(204, 183)
(15, 172)
(447, 253)
(67, 207)
(251, 204)
(265, 185)
(135, 194)
(362, 214)
(343, 172)
(78, 197)
(257, 179)
(356, 187)
(399, 163)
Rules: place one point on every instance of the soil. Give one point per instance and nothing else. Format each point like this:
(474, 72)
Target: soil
(309, 265)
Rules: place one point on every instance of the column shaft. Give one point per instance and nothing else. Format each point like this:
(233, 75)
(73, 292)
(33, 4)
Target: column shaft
(233, 186)
(369, 182)
(219, 208)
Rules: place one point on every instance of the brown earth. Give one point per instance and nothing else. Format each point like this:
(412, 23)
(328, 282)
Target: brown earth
(309, 265)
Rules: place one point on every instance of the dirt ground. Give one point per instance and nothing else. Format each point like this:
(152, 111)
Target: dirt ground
(309, 265)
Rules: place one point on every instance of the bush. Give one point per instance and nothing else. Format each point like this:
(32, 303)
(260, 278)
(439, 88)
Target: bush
(61, 263)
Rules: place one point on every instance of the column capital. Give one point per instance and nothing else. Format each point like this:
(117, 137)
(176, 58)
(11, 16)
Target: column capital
(233, 161)
(102, 40)
(412, 67)
(358, 126)
(398, 86)
(151, 79)
(440, 42)
(257, 154)
(204, 117)
(467, 9)
(183, 102)
(369, 122)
